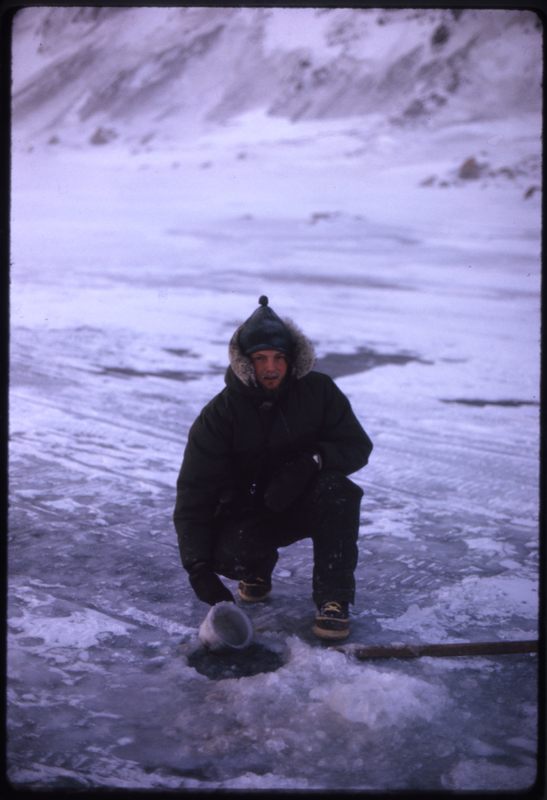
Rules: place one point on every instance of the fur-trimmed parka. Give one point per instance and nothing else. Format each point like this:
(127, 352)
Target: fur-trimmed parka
(245, 434)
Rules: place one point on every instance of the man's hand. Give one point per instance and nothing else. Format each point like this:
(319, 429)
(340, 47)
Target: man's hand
(207, 585)
(291, 481)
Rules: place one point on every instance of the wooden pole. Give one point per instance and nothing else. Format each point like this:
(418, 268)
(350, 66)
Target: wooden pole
(369, 652)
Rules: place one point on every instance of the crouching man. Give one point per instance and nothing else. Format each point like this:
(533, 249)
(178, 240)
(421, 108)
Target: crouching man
(266, 464)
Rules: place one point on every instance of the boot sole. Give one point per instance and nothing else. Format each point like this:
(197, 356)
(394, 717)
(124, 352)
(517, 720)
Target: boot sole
(249, 599)
(323, 633)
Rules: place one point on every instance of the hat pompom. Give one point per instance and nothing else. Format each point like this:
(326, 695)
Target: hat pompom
(262, 300)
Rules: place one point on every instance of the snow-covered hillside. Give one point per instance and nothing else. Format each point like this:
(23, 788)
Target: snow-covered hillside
(377, 175)
(143, 74)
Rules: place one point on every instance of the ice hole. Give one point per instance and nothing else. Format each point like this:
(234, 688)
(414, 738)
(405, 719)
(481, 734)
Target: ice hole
(235, 663)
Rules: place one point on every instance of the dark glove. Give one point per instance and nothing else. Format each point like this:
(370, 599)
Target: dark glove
(207, 585)
(291, 481)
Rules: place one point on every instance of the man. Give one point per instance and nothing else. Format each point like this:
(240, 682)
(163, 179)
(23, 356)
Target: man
(266, 464)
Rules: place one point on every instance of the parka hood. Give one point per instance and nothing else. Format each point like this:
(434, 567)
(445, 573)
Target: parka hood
(300, 363)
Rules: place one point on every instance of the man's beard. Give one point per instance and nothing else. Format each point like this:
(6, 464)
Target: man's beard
(271, 394)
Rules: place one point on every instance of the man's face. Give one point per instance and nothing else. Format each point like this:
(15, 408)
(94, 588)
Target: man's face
(270, 368)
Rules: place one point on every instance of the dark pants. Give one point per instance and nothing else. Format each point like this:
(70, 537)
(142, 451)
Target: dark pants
(328, 513)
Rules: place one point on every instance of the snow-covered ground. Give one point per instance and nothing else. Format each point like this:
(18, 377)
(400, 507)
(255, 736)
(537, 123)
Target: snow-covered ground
(420, 287)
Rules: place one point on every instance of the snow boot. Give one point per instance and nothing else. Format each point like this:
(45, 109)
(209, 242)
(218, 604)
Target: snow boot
(254, 590)
(332, 620)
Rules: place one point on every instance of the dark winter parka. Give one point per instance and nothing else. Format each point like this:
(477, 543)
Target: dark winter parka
(243, 436)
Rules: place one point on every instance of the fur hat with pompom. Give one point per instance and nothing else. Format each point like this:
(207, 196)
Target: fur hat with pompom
(264, 330)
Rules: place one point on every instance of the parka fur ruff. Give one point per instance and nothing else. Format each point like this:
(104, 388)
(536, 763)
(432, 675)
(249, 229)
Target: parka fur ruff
(301, 361)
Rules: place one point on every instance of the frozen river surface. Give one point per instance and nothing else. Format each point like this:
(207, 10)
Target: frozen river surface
(130, 272)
